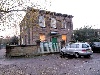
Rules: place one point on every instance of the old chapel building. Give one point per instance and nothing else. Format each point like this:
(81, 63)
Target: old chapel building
(45, 26)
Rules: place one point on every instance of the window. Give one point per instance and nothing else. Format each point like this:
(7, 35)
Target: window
(85, 46)
(64, 37)
(41, 21)
(67, 46)
(73, 46)
(77, 45)
(42, 37)
(69, 25)
(63, 24)
(28, 31)
(53, 22)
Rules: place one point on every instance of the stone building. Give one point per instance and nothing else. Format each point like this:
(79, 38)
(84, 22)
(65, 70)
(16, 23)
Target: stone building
(45, 26)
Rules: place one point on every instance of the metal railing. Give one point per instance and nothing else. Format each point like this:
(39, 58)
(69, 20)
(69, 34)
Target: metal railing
(49, 47)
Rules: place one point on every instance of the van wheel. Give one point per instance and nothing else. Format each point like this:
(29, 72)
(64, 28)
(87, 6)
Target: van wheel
(61, 54)
(77, 55)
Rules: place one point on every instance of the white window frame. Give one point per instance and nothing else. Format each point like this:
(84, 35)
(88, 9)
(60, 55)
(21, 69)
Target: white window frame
(41, 21)
(64, 24)
(53, 23)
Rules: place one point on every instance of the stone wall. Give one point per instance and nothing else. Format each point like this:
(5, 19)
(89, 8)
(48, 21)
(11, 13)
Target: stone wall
(22, 50)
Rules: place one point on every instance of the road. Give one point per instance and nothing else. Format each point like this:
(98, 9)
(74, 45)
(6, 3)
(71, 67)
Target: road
(51, 64)
(2, 53)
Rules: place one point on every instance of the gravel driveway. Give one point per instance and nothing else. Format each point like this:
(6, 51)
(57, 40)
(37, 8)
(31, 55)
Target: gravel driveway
(51, 64)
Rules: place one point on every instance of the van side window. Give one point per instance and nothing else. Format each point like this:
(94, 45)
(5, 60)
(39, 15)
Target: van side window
(73, 46)
(67, 46)
(84, 46)
(77, 45)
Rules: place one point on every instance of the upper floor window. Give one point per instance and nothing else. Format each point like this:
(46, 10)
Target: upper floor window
(53, 22)
(63, 24)
(41, 21)
(69, 25)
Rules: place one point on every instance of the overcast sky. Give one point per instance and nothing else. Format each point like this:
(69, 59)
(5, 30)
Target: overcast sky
(85, 12)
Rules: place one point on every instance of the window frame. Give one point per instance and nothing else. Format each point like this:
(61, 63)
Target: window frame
(84, 46)
(53, 23)
(64, 25)
(73, 46)
(42, 21)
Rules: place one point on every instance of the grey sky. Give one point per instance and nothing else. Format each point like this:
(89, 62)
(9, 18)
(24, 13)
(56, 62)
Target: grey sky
(85, 12)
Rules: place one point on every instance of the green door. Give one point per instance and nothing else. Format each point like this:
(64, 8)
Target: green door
(54, 41)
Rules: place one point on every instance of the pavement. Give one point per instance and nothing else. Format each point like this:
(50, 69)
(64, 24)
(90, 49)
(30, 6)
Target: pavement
(2, 53)
(51, 64)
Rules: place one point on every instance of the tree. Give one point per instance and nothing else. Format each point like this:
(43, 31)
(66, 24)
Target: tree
(85, 34)
(14, 40)
(11, 12)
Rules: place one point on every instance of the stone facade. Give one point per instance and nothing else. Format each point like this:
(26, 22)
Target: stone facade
(45, 26)
(23, 50)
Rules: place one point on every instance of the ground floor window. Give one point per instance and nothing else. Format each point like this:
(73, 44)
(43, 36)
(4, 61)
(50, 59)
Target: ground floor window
(22, 41)
(42, 37)
(64, 37)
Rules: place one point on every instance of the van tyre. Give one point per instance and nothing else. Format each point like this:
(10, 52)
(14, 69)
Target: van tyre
(62, 54)
(77, 55)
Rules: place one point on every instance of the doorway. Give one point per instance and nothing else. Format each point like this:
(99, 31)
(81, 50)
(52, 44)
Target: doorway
(54, 43)
(54, 39)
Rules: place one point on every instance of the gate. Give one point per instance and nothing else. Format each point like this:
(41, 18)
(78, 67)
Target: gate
(49, 47)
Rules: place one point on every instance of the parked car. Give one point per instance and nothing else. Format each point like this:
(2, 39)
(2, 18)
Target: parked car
(95, 46)
(77, 49)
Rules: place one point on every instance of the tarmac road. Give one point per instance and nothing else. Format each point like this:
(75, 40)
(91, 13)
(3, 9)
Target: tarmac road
(51, 64)
(2, 53)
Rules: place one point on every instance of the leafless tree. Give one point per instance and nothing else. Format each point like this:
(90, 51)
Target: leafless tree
(11, 12)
